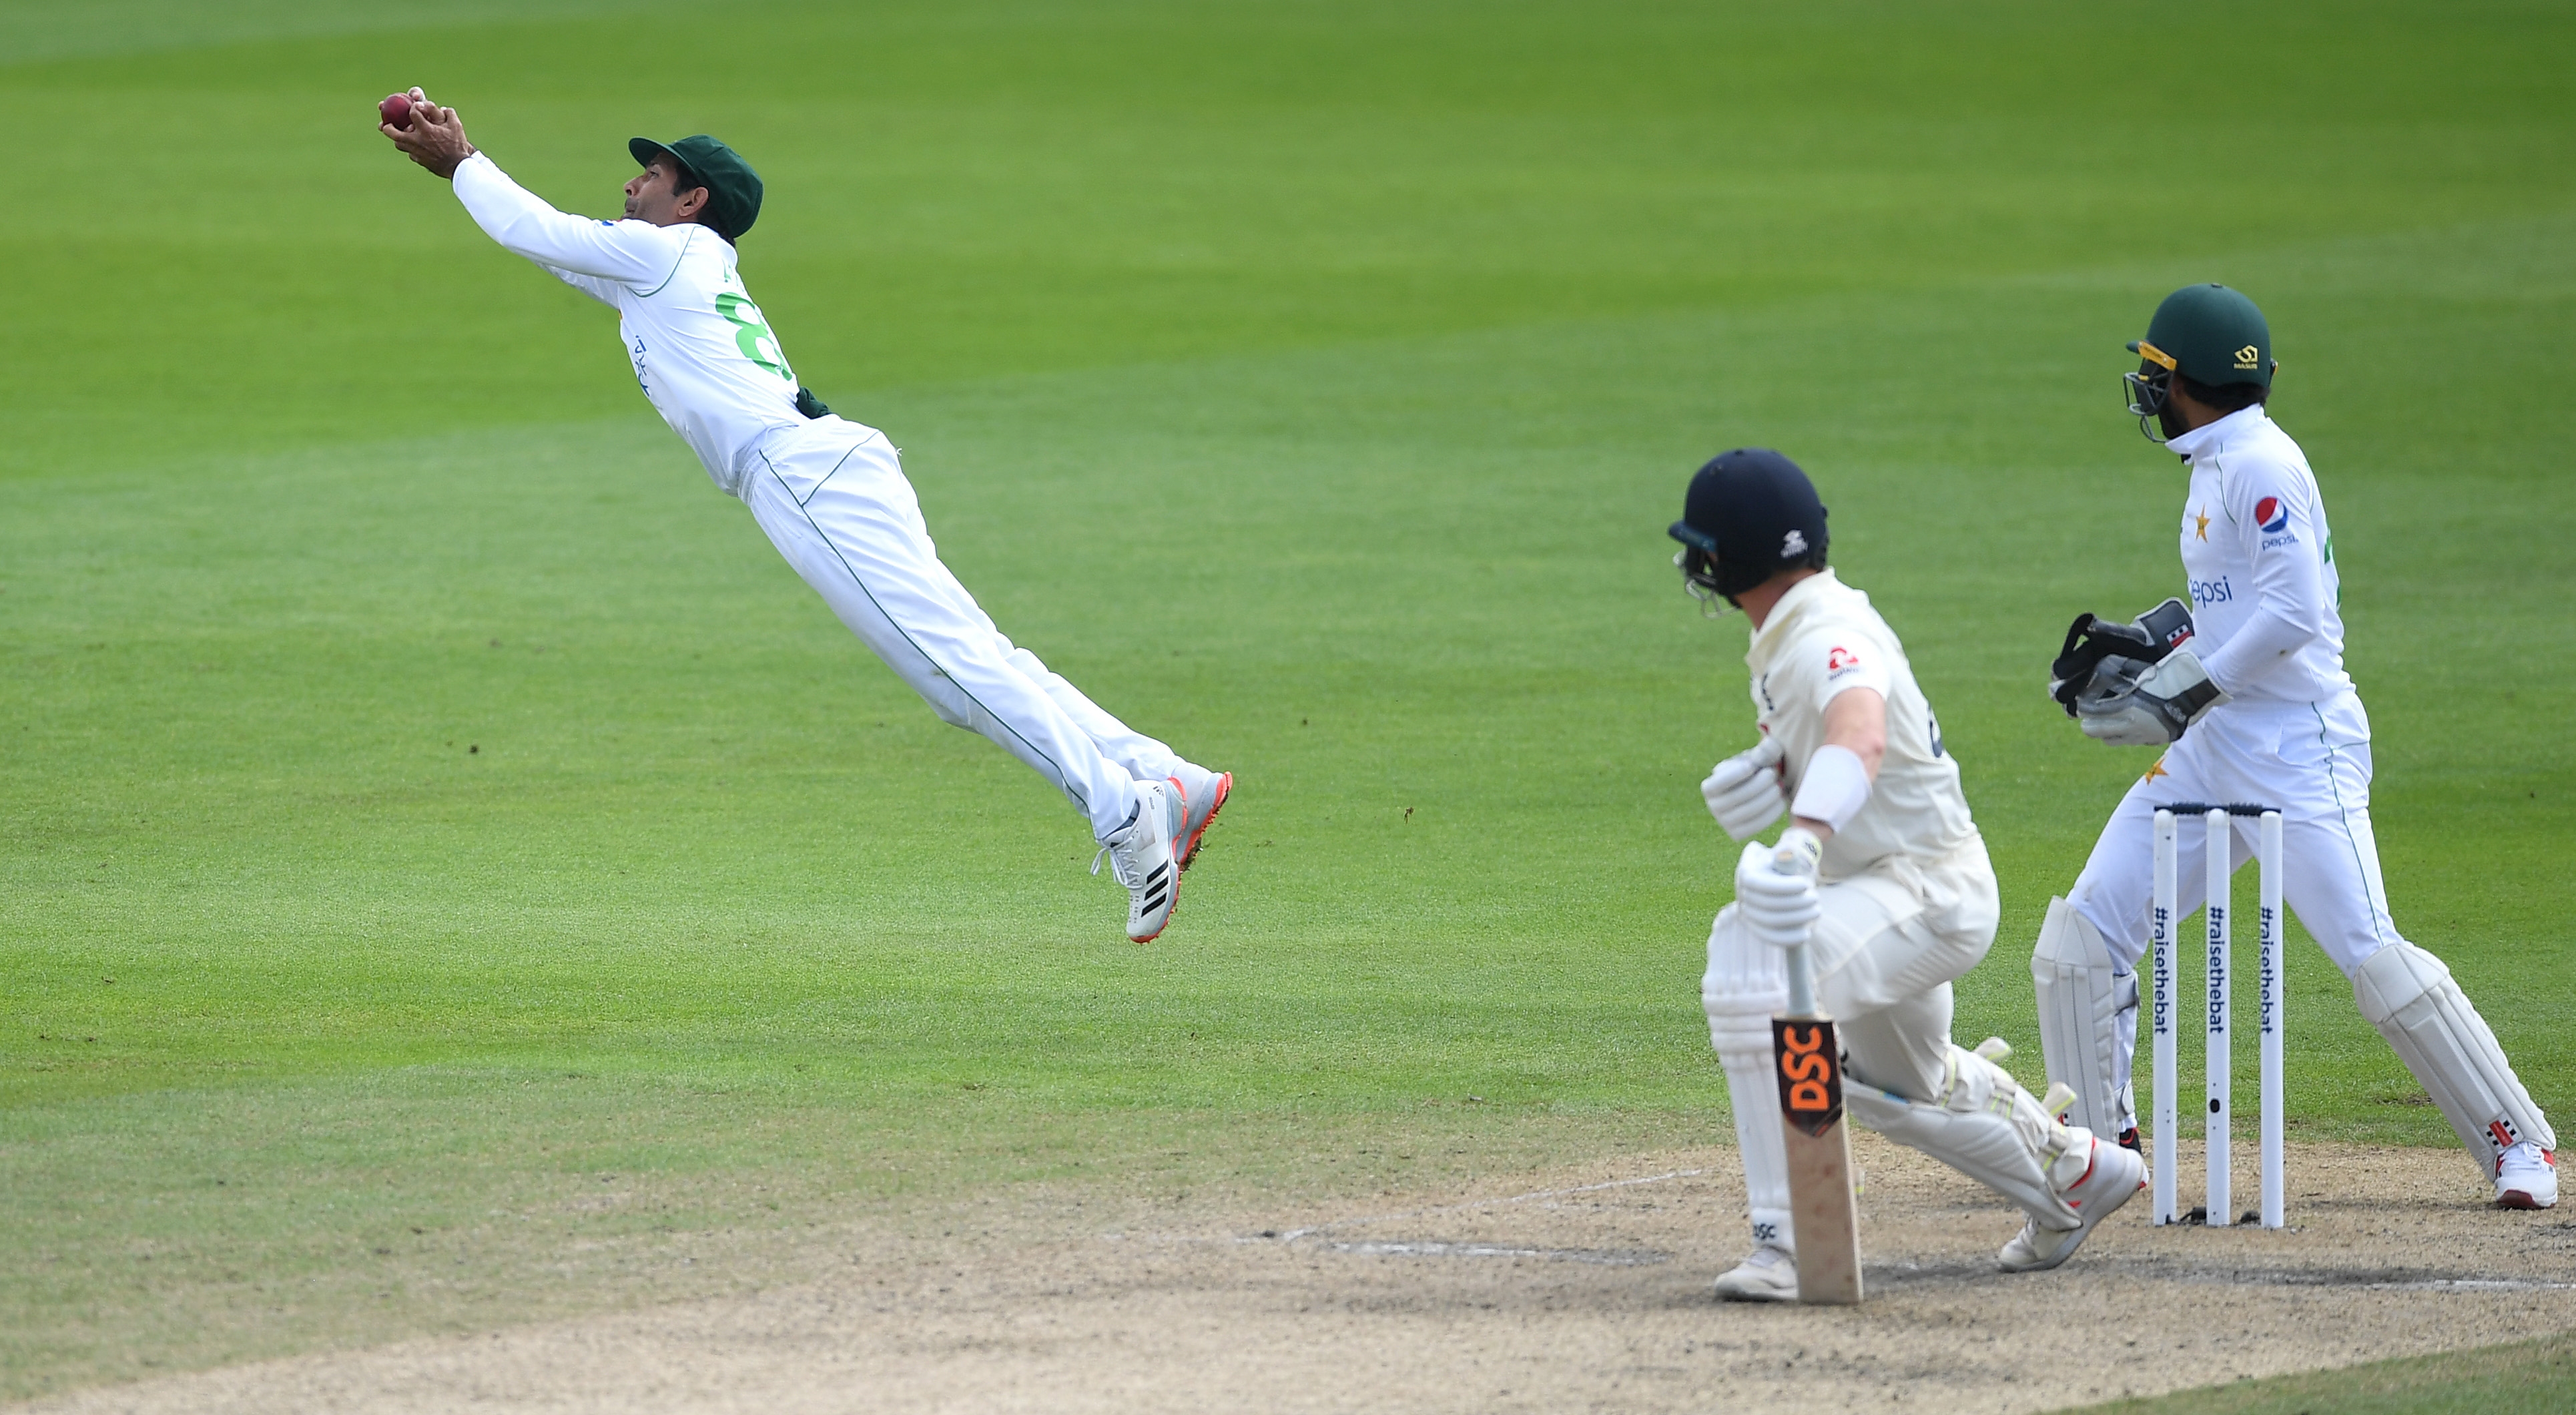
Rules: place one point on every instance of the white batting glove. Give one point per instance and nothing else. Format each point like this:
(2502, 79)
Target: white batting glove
(1745, 793)
(1775, 888)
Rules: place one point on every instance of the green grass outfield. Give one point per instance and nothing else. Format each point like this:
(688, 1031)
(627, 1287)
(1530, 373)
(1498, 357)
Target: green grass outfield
(448, 864)
(2525, 1378)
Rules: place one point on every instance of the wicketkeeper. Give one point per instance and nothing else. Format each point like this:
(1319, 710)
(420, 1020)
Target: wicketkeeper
(2248, 689)
(1883, 877)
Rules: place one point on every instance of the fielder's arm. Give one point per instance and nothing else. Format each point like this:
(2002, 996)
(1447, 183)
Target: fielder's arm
(630, 253)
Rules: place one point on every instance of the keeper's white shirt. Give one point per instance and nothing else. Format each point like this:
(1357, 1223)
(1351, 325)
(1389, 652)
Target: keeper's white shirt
(2258, 561)
(1823, 640)
(702, 351)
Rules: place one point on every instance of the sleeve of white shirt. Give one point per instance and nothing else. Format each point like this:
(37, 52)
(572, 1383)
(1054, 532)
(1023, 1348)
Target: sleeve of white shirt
(1836, 663)
(634, 254)
(604, 291)
(2272, 511)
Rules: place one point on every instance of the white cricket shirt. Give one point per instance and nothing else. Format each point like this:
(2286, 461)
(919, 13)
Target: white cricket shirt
(2259, 563)
(1820, 641)
(702, 351)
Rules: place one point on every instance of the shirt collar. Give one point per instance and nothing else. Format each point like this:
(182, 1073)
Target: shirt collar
(1799, 596)
(2209, 437)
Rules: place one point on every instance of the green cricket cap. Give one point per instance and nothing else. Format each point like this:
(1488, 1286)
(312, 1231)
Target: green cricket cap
(2209, 334)
(733, 189)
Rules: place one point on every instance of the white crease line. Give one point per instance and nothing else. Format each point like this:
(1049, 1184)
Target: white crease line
(1292, 1235)
(1607, 1257)
(2472, 1284)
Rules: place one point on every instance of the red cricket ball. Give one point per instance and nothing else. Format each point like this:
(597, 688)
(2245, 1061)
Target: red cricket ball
(396, 110)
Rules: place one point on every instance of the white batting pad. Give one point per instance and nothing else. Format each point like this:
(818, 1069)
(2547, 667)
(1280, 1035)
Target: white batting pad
(2408, 994)
(1746, 984)
(1985, 1126)
(2082, 1035)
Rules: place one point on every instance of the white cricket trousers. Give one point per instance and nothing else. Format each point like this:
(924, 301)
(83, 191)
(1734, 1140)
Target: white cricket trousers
(832, 497)
(2312, 762)
(1882, 957)
(2309, 761)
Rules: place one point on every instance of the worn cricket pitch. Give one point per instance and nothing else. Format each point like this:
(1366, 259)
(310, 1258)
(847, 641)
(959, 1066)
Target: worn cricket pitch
(474, 929)
(1587, 1293)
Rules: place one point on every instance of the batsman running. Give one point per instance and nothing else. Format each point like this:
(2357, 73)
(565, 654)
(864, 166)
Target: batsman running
(1881, 877)
(2246, 691)
(830, 493)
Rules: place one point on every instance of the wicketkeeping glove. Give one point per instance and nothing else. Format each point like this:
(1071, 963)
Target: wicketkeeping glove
(1745, 793)
(1775, 888)
(2093, 640)
(2130, 703)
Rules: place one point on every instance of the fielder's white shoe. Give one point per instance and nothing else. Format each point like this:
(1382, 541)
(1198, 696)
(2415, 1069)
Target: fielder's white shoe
(1142, 856)
(1207, 791)
(1767, 1274)
(2527, 1178)
(2108, 1182)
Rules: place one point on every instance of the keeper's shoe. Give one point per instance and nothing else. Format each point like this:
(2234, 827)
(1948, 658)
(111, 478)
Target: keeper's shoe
(2527, 1178)
(1767, 1274)
(1206, 791)
(1143, 857)
(2108, 1182)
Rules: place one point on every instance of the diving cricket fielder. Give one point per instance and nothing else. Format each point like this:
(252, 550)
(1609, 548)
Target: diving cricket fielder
(830, 493)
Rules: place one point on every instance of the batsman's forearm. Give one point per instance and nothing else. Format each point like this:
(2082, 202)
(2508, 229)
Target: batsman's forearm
(1832, 790)
(1856, 721)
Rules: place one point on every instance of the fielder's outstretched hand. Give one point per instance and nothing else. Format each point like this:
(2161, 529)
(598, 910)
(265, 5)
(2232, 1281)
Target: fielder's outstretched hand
(435, 139)
(1744, 793)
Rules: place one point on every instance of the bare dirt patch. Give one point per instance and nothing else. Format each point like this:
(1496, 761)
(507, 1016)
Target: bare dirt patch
(1589, 1292)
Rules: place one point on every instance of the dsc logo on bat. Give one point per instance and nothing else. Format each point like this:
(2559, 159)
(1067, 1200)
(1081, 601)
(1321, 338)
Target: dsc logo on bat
(1808, 1063)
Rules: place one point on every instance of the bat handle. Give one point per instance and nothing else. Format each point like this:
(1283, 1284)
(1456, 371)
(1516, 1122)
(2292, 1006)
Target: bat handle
(1802, 989)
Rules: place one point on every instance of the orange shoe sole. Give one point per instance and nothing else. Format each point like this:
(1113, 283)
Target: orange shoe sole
(1224, 788)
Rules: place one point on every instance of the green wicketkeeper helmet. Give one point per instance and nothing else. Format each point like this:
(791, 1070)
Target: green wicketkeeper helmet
(2209, 334)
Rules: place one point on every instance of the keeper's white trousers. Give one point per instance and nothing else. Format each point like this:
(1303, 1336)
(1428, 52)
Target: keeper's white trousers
(2312, 762)
(833, 498)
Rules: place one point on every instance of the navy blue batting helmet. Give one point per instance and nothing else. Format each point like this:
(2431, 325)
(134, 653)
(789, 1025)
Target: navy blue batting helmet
(1750, 514)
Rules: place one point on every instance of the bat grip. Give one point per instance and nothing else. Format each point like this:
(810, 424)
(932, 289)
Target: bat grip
(1802, 989)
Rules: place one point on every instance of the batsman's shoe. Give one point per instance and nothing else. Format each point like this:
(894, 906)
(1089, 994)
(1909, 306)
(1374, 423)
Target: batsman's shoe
(2108, 1181)
(1144, 857)
(2061, 1096)
(2129, 1141)
(2527, 1178)
(1207, 791)
(1767, 1274)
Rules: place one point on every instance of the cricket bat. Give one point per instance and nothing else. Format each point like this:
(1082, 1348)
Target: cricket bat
(1807, 1060)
